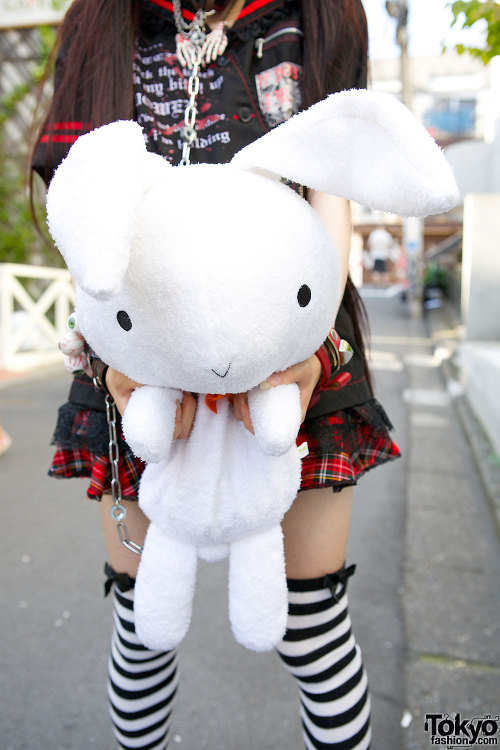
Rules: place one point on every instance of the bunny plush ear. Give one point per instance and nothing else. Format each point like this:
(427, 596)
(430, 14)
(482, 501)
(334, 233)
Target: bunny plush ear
(91, 201)
(361, 145)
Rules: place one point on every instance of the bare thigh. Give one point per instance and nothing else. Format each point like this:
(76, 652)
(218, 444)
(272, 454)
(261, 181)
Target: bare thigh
(315, 531)
(121, 559)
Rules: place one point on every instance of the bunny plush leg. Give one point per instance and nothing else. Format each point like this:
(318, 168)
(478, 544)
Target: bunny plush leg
(257, 589)
(164, 590)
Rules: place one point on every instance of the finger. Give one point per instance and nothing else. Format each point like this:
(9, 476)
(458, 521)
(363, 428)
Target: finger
(272, 381)
(178, 419)
(293, 374)
(188, 410)
(304, 405)
(242, 410)
(238, 402)
(121, 400)
(247, 419)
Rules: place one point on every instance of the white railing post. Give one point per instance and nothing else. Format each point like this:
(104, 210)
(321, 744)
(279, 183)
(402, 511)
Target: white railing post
(28, 337)
(62, 311)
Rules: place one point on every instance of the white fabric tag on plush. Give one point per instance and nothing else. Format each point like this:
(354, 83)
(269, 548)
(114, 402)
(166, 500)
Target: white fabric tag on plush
(303, 449)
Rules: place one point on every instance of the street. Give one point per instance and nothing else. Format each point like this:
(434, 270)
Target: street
(424, 600)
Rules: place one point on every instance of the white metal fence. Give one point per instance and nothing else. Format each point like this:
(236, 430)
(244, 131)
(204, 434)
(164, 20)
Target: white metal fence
(19, 13)
(33, 315)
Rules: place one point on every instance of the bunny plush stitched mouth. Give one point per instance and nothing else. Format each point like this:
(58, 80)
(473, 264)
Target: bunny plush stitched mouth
(224, 373)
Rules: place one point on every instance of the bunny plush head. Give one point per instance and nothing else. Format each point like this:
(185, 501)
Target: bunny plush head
(208, 278)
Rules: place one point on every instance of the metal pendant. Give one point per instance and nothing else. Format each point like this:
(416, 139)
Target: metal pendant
(212, 45)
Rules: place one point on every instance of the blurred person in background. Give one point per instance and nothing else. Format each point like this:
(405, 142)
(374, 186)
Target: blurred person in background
(380, 247)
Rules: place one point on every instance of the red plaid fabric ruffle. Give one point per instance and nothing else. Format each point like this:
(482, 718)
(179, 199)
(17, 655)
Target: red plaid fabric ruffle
(342, 447)
(80, 462)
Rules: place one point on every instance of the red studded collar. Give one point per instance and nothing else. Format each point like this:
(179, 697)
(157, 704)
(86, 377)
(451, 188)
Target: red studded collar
(251, 11)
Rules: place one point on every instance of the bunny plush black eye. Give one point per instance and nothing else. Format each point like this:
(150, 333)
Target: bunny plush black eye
(304, 295)
(124, 320)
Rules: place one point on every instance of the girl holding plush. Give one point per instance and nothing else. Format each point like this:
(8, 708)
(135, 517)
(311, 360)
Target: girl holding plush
(261, 62)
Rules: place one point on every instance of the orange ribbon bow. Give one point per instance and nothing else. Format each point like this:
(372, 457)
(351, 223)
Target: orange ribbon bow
(212, 398)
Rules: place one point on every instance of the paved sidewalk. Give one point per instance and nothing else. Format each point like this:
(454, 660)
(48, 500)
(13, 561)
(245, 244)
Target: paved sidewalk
(452, 568)
(424, 602)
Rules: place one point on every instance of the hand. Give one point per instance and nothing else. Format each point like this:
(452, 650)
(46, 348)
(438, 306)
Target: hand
(306, 374)
(120, 387)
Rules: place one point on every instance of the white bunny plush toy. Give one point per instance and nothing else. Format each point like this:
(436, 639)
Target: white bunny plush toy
(209, 278)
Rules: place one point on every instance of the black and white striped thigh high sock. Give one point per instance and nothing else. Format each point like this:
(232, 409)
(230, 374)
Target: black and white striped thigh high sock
(320, 651)
(141, 685)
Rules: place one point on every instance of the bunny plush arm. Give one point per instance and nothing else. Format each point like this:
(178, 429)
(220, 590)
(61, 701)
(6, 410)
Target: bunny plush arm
(149, 421)
(121, 388)
(276, 417)
(305, 375)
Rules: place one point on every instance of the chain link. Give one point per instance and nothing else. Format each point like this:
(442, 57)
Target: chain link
(118, 511)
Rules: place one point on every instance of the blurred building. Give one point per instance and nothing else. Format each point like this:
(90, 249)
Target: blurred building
(451, 94)
(456, 98)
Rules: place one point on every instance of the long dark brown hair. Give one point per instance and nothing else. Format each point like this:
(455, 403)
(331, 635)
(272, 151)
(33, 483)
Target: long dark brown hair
(335, 48)
(94, 85)
(335, 58)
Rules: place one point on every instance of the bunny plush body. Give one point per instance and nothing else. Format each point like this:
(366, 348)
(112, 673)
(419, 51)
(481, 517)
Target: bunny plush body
(209, 278)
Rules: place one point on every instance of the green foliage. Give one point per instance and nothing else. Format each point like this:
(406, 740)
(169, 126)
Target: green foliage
(20, 241)
(475, 11)
(436, 276)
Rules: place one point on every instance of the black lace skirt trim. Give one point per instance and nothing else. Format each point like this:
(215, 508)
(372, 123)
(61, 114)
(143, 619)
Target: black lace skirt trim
(343, 428)
(78, 427)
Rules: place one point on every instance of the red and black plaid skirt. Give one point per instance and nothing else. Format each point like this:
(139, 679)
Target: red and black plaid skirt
(341, 448)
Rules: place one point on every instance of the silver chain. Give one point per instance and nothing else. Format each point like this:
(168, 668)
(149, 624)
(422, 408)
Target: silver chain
(195, 31)
(196, 28)
(189, 132)
(118, 511)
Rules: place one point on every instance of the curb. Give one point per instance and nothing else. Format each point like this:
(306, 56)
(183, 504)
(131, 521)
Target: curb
(486, 461)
